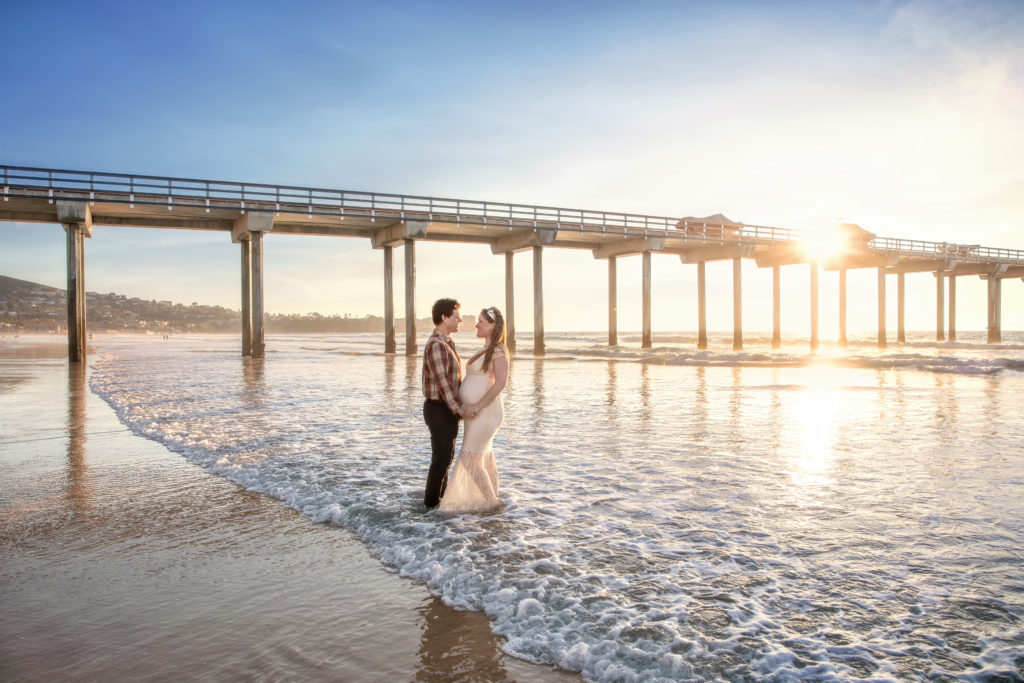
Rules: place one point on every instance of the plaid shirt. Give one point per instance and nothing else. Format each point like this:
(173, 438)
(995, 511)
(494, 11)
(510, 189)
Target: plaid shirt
(442, 371)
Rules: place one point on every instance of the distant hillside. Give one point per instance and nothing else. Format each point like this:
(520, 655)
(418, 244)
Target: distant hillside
(30, 307)
(9, 285)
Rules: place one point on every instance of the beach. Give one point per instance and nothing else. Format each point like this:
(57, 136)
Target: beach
(121, 560)
(668, 514)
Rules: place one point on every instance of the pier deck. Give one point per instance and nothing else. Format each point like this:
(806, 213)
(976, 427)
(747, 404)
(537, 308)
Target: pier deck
(249, 211)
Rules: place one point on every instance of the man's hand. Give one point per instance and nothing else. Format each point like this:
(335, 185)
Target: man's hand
(469, 412)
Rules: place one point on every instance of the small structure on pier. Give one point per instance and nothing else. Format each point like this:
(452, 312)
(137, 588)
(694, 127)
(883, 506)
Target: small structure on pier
(714, 226)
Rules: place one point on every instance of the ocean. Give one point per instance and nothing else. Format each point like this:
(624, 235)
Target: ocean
(670, 514)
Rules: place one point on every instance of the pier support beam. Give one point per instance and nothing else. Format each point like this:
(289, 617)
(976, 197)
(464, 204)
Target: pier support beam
(613, 306)
(538, 301)
(776, 306)
(248, 231)
(521, 240)
(76, 294)
(77, 221)
(702, 305)
(627, 247)
(814, 305)
(646, 334)
(386, 238)
(508, 244)
(246, 246)
(256, 281)
(737, 304)
(881, 307)
(258, 346)
(410, 297)
(389, 300)
(901, 307)
(995, 333)
(940, 307)
(404, 233)
(952, 307)
(842, 308)
(510, 303)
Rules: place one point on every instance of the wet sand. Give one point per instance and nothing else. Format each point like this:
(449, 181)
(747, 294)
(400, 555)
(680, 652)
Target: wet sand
(119, 560)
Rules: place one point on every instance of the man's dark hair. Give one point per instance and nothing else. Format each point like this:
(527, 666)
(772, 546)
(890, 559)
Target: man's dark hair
(442, 308)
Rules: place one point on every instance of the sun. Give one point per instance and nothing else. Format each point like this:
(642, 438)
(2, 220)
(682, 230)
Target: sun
(823, 244)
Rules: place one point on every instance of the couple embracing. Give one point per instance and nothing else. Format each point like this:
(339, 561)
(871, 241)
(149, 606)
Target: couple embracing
(472, 484)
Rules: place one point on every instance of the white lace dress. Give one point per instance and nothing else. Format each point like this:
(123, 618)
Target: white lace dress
(473, 482)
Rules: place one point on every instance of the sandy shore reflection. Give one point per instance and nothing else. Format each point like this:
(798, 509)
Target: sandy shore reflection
(78, 468)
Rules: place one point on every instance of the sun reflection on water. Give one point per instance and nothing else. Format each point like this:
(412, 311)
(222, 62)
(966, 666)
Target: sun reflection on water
(814, 418)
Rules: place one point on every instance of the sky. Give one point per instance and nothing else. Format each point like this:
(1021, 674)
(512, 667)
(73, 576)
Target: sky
(905, 117)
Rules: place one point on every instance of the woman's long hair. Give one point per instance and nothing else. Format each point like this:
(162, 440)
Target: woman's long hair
(497, 339)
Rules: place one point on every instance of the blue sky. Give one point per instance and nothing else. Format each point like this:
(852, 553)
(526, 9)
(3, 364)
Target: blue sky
(905, 117)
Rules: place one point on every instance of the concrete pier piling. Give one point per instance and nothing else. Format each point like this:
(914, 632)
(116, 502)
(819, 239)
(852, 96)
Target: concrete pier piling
(646, 302)
(814, 305)
(76, 217)
(258, 345)
(901, 307)
(538, 301)
(842, 308)
(881, 308)
(510, 302)
(247, 230)
(613, 306)
(737, 304)
(410, 297)
(995, 332)
(702, 305)
(390, 345)
(952, 307)
(246, 249)
(776, 306)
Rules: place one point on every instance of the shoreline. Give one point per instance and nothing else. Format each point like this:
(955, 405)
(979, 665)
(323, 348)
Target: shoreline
(122, 560)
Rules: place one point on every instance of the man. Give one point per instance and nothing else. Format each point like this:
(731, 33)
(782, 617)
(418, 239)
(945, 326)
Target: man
(442, 374)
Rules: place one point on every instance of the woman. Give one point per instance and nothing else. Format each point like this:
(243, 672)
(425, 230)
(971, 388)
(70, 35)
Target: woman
(473, 483)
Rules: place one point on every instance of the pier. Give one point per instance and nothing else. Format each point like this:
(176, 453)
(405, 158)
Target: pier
(250, 212)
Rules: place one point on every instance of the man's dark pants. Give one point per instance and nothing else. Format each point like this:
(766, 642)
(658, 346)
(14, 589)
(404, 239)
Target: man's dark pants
(444, 427)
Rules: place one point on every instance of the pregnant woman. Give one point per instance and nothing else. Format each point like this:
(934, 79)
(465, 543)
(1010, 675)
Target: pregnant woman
(473, 483)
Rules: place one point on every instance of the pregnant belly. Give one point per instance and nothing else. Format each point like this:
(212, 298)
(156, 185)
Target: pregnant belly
(473, 388)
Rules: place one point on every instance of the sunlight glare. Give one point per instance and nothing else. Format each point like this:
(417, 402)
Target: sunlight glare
(823, 244)
(814, 414)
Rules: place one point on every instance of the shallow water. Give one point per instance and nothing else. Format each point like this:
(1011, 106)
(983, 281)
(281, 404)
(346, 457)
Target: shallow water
(669, 514)
(122, 561)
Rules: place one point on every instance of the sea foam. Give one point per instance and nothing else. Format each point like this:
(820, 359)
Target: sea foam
(736, 519)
